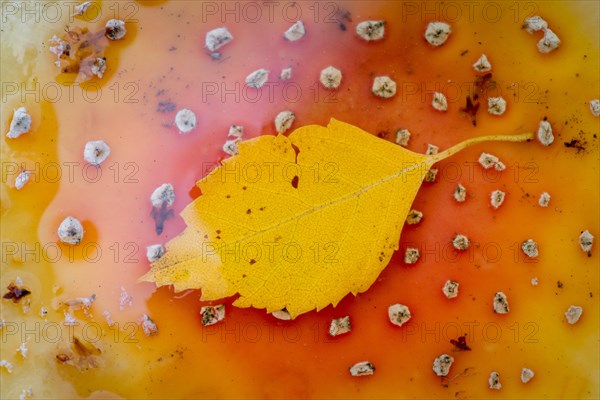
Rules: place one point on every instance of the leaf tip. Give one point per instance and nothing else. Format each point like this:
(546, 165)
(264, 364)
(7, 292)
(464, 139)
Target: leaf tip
(147, 277)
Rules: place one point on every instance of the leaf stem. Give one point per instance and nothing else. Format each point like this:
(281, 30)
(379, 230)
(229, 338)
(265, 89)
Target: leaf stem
(470, 142)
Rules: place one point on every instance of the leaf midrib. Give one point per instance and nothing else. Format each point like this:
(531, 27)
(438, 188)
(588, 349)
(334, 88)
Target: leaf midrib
(312, 210)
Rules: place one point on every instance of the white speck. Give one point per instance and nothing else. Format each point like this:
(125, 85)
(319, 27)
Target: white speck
(21, 180)
(442, 364)
(497, 198)
(19, 281)
(236, 131)
(549, 42)
(534, 24)
(586, 241)
(362, 368)
(284, 120)
(450, 289)
(58, 47)
(283, 315)
(460, 193)
(573, 314)
(371, 30)
(460, 242)
(411, 255)
(339, 326)
(496, 105)
(95, 152)
(70, 231)
(530, 249)
(43, 312)
(22, 349)
(499, 166)
(544, 199)
(526, 375)
(402, 137)
(185, 120)
(535, 281)
(217, 38)
(331, 77)
(80, 302)
(257, 78)
(81, 8)
(295, 32)
(595, 107)
(383, 86)
(26, 394)
(482, 64)
(26, 305)
(108, 318)
(231, 147)
(212, 314)
(154, 252)
(414, 217)
(125, 299)
(399, 314)
(437, 33)
(286, 73)
(20, 123)
(501, 303)
(164, 194)
(99, 67)
(432, 149)
(6, 365)
(115, 29)
(70, 319)
(439, 101)
(494, 381)
(487, 160)
(148, 326)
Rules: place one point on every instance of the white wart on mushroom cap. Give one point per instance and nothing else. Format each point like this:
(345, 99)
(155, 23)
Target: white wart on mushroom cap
(115, 29)
(70, 231)
(20, 123)
(96, 151)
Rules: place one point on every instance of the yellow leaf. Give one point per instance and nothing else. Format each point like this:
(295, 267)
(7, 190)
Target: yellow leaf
(298, 222)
